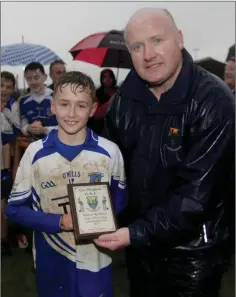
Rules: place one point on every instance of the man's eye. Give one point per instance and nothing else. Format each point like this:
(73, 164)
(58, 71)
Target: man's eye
(135, 47)
(157, 40)
(64, 104)
(82, 106)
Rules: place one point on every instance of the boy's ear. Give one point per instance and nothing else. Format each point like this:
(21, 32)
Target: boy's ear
(53, 108)
(93, 110)
(45, 77)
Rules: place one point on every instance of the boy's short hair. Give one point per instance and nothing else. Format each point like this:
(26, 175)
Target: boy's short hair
(9, 76)
(34, 66)
(76, 79)
(54, 63)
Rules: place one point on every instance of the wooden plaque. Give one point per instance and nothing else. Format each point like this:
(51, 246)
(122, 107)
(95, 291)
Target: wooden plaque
(92, 210)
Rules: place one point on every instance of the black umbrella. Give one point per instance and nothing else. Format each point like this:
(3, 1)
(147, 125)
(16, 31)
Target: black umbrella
(212, 65)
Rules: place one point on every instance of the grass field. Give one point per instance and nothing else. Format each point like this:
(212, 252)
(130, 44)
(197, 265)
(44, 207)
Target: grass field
(18, 279)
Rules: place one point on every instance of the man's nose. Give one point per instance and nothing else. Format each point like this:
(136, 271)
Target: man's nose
(149, 53)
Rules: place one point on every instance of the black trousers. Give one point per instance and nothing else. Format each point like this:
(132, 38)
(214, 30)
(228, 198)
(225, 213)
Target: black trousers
(176, 273)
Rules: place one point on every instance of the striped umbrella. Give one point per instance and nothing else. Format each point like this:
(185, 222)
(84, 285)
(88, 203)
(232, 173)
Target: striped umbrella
(104, 49)
(24, 53)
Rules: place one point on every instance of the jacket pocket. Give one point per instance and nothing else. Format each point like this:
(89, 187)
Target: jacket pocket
(171, 142)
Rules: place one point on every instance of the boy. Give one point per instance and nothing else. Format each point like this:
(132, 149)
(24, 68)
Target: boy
(6, 180)
(35, 113)
(9, 104)
(10, 111)
(39, 199)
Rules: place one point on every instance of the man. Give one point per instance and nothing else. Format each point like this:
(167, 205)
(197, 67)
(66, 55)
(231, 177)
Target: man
(56, 69)
(174, 123)
(229, 75)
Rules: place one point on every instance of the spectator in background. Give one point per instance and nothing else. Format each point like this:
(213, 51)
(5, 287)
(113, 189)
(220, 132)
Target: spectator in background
(9, 102)
(104, 93)
(10, 128)
(108, 86)
(229, 75)
(6, 181)
(7, 86)
(36, 119)
(56, 69)
(35, 108)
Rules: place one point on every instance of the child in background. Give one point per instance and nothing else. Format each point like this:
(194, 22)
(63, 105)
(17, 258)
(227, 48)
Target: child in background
(6, 180)
(39, 199)
(34, 108)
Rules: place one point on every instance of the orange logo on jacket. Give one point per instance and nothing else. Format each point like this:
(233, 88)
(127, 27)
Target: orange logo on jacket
(173, 132)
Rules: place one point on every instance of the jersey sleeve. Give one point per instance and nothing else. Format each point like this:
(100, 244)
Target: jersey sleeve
(118, 182)
(12, 113)
(22, 208)
(6, 130)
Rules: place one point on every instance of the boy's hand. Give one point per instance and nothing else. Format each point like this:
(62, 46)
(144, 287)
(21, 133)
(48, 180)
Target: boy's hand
(36, 129)
(66, 223)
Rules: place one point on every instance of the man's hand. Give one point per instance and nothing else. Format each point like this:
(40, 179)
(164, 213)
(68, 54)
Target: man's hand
(66, 223)
(36, 128)
(114, 241)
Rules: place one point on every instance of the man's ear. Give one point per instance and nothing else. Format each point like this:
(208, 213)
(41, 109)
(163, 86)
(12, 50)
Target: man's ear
(93, 110)
(180, 40)
(45, 77)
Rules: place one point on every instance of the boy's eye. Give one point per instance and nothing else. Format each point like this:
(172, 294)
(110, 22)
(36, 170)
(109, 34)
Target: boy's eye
(64, 104)
(82, 106)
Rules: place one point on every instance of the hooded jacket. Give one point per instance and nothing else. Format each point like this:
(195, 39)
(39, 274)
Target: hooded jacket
(179, 154)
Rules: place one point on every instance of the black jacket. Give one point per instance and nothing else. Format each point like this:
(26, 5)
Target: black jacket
(178, 153)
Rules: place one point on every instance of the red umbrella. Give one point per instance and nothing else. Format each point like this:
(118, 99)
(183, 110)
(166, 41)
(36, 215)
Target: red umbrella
(104, 49)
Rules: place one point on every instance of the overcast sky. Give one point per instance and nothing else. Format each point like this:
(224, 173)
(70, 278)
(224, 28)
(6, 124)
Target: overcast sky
(207, 26)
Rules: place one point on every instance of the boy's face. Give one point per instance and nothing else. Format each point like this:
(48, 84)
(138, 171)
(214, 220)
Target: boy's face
(7, 88)
(35, 80)
(72, 110)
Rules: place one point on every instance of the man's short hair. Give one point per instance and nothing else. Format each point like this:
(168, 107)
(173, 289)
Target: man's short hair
(54, 63)
(77, 80)
(9, 76)
(231, 58)
(34, 66)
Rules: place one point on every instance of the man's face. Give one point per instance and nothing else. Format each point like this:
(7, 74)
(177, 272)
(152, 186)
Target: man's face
(7, 88)
(72, 110)
(57, 70)
(229, 75)
(155, 47)
(107, 79)
(35, 80)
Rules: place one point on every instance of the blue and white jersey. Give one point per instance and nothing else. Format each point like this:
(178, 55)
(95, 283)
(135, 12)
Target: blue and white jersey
(39, 197)
(7, 134)
(34, 107)
(11, 112)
